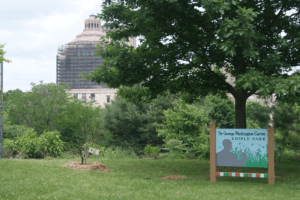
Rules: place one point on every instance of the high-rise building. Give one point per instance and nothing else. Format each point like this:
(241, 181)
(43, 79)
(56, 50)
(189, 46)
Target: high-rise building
(78, 56)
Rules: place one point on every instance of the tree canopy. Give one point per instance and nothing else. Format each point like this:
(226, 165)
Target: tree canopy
(188, 45)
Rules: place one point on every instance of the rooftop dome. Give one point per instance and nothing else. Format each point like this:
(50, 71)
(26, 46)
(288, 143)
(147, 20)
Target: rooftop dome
(92, 31)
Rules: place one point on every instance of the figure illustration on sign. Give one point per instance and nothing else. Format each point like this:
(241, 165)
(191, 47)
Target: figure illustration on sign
(229, 159)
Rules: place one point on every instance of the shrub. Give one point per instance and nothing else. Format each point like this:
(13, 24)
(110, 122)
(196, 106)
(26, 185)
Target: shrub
(187, 124)
(151, 151)
(51, 144)
(8, 148)
(31, 146)
(28, 145)
(176, 148)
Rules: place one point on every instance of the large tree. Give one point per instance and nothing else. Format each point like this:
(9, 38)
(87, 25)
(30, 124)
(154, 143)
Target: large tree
(188, 45)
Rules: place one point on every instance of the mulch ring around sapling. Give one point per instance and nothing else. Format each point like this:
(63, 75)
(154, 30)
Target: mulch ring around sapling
(173, 177)
(89, 166)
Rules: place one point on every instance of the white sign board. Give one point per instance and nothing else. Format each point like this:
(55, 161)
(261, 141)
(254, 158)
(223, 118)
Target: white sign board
(94, 151)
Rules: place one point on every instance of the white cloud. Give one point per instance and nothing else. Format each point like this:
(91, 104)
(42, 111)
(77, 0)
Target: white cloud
(89, 5)
(6, 34)
(56, 21)
(21, 72)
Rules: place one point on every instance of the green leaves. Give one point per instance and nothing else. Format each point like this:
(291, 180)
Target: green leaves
(31, 146)
(187, 124)
(51, 143)
(2, 54)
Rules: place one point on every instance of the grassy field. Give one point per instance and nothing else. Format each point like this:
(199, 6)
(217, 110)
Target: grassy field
(138, 179)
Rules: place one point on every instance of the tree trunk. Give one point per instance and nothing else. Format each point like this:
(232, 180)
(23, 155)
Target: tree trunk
(240, 111)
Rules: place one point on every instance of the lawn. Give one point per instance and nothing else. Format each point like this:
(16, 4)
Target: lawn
(138, 179)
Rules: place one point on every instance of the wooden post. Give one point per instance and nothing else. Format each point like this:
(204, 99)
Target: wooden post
(271, 172)
(213, 168)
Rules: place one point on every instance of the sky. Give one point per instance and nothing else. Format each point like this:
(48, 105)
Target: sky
(32, 31)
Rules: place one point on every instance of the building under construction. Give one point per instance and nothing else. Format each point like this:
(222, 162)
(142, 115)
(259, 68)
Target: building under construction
(72, 59)
(78, 56)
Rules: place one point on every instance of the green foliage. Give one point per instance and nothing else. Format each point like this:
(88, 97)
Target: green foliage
(2, 54)
(8, 145)
(134, 124)
(242, 37)
(287, 127)
(151, 151)
(12, 130)
(258, 113)
(48, 107)
(45, 107)
(219, 109)
(119, 153)
(189, 125)
(51, 143)
(30, 145)
(176, 149)
(252, 125)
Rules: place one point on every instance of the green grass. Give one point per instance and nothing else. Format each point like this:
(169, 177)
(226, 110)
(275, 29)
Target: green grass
(138, 179)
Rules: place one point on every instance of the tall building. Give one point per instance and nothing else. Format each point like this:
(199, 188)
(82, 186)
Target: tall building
(78, 56)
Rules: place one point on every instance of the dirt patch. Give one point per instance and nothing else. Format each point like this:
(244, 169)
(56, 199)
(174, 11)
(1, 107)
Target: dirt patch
(173, 178)
(89, 166)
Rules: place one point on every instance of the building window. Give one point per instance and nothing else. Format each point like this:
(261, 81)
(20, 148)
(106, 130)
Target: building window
(84, 97)
(83, 53)
(78, 53)
(86, 53)
(89, 25)
(108, 99)
(75, 96)
(92, 25)
(92, 97)
(92, 53)
(97, 25)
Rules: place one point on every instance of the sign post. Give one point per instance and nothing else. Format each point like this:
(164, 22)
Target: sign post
(242, 148)
(271, 171)
(213, 168)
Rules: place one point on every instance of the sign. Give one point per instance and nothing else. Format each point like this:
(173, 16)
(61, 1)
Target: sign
(242, 147)
(94, 151)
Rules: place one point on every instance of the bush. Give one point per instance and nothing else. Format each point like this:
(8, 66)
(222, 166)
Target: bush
(187, 124)
(176, 148)
(51, 144)
(8, 148)
(28, 145)
(31, 146)
(151, 151)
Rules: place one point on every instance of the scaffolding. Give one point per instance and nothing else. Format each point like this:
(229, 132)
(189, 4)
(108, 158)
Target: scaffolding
(72, 59)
